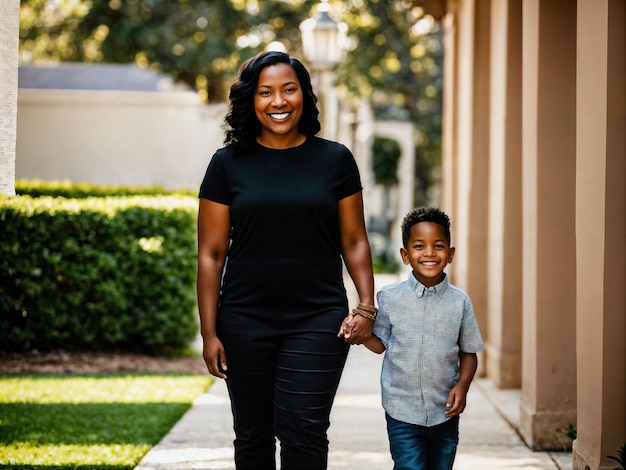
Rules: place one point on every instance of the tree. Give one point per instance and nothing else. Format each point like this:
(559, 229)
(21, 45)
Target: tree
(394, 59)
(396, 62)
(198, 42)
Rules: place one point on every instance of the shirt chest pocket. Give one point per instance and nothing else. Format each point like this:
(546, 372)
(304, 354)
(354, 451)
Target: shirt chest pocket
(441, 324)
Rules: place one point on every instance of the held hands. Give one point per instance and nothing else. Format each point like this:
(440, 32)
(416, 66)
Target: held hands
(456, 401)
(214, 356)
(355, 329)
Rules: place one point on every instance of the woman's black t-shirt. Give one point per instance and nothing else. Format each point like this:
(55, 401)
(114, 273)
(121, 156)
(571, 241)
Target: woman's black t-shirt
(285, 250)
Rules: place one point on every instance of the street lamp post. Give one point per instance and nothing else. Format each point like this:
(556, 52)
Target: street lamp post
(322, 44)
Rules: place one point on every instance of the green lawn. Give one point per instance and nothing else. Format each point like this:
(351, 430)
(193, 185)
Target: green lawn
(55, 422)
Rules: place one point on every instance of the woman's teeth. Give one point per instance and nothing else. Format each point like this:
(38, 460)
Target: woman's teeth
(280, 115)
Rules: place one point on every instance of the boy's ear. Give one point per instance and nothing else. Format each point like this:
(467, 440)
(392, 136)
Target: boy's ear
(451, 254)
(405, 255)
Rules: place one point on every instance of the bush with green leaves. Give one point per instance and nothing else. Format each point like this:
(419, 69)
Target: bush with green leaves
(98, 274)
(68, 189)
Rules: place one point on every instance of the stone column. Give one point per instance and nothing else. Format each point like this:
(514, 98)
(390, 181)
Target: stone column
(504, 345)
(601, 233)
(548, 399)
(471, 157)
(449, 112)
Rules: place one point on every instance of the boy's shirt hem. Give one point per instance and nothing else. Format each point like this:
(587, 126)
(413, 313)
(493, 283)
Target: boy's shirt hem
(423, 329)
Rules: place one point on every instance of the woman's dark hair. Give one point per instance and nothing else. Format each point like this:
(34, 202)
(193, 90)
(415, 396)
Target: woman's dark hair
(241, 124)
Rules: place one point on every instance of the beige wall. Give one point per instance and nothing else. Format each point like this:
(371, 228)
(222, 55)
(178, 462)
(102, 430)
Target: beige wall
(122, 138)
(504, 323)
(468, 205)
(9, 28)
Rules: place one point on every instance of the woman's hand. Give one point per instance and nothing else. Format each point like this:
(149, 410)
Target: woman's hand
(214, 356)
(356, 329)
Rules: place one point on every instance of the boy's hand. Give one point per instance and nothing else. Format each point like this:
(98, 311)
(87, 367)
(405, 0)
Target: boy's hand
(456, 401)
(345, 330)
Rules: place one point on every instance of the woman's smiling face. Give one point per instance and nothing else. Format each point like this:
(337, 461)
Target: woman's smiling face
(278, 104)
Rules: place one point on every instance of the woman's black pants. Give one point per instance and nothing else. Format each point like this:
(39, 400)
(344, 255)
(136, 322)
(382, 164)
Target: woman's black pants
(283, 373)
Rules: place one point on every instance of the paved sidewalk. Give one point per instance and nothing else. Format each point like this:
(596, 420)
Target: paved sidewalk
(202, 439)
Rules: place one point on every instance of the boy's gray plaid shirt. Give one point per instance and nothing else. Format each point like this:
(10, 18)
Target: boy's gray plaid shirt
(423, 330)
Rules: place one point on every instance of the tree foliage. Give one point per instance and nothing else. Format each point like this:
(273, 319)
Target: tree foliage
(199, 42)
(386, 156)
(395, 61)
(394, 58)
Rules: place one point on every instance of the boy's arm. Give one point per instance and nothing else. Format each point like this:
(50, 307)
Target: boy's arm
(468, 362)
(375, 345)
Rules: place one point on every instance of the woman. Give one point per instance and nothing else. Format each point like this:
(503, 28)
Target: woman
(279, 208)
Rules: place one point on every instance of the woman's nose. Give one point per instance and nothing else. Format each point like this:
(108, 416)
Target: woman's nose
(278, 99)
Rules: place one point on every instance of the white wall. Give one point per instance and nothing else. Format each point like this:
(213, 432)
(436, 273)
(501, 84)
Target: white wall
(113, 137)
(9, 25)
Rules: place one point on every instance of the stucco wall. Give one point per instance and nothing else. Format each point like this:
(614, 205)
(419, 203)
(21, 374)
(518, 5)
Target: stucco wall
(9, 25)
(112, 137)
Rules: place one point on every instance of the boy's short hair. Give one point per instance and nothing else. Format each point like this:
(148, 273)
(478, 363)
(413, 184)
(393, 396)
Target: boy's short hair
(424, 214)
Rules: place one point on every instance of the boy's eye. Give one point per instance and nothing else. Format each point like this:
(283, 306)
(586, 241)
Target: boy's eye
(418, 247)
(439, 247)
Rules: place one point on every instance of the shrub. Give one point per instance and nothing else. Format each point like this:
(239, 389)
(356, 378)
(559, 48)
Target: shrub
(67, 189)
(106, 273)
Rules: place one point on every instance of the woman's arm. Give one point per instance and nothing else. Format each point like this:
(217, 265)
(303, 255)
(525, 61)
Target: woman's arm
(358, 259)
(373, 343)
(213, 240)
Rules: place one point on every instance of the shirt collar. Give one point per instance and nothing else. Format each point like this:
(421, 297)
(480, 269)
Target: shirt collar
(420, 289)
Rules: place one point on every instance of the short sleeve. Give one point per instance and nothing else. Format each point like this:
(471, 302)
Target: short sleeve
(470, 340)
(350, 180)
(215, 185)
(382, 326)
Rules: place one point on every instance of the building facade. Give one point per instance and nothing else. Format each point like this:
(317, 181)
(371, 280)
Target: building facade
(534, 177)
(113, 124)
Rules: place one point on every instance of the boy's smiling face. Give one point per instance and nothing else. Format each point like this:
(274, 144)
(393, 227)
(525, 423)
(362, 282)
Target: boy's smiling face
(428, 252)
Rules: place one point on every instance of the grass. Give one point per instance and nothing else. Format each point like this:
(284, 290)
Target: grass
(56, 422)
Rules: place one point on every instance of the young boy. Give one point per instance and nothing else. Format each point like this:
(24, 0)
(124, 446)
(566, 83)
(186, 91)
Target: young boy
(428, 330)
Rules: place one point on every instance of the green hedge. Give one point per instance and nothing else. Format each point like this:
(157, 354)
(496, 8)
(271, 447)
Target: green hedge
(98, 274)
(67, 189)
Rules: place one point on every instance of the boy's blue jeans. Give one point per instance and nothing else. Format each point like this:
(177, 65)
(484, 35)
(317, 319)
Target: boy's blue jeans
(415, 447)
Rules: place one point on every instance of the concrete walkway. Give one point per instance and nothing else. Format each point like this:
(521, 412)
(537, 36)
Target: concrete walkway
(203, 438)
